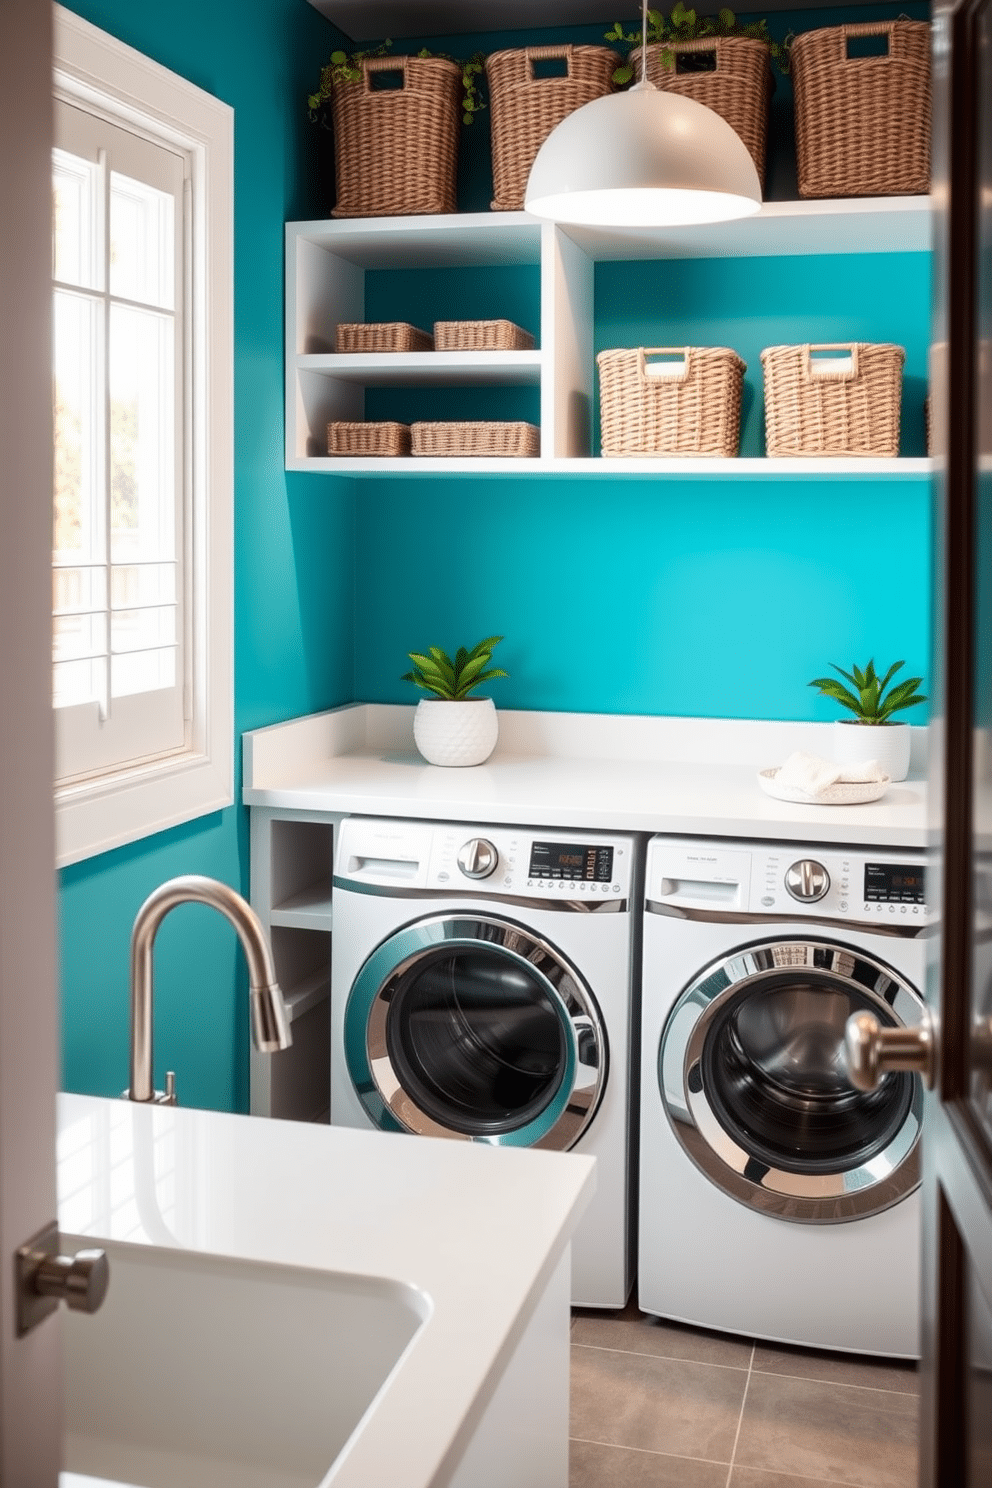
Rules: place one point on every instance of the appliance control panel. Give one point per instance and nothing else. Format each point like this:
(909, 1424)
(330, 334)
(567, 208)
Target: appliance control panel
(531, 865)
(787, 880)
(466, 858)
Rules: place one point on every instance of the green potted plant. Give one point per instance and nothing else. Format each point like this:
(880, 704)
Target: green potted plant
(450, 726)
(873, 700)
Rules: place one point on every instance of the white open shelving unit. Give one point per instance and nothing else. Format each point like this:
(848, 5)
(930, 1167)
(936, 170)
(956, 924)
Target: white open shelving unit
(326, 263)
(292, 854)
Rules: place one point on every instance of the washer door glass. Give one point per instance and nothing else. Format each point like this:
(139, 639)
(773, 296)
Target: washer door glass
(755, 1083)
(475, 1028)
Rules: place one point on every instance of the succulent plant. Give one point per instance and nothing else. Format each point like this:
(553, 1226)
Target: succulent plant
(452, 681)
(869, 701)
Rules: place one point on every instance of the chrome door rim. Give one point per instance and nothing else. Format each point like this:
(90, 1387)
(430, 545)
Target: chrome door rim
(824, 1198)
(577, 1096)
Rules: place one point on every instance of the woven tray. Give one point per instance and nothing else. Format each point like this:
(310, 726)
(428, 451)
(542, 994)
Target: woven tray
(694, 411)
(524, 109)
(476, 437)
(738, 89)
(481, 335)
(849, 405)
(345, 438)
(383, 335)
(863, 123)
(396, 149)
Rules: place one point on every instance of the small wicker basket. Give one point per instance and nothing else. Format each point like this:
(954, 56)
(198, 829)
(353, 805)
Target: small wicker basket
(689, 405)
(524, 109)
(383, 335)
(475, 437)
(368, 439)
(396, 149)
(738, 87)
(481, 335)
(863, 123)
(848, 404)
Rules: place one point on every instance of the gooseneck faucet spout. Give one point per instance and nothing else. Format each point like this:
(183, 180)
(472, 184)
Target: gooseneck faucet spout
(269, 1020)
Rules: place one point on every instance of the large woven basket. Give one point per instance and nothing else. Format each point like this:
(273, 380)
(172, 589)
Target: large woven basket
(863, 123)
(367, 438)
(481, 335)
(381, 335)
(524, 109)
(694, 409)
(396, 149)
(845, 404)
(737, 87)
(476, 437)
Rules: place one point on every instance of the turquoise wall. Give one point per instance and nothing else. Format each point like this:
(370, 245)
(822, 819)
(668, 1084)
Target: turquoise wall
(667, 597)
(293, 570)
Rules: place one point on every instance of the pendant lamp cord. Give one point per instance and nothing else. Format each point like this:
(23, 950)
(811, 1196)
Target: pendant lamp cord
(643, 84)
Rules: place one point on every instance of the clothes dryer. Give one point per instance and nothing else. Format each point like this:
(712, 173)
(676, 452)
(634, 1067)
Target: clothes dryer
(483, 986)
(776, 1200)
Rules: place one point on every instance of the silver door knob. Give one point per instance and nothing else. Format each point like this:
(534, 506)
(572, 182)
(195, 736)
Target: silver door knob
(45, 1277)
(477, 858)
(80, 1280)
(872, 1050)
(807, 880)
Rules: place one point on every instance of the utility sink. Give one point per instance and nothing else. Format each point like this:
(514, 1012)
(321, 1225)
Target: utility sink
(204, 1372)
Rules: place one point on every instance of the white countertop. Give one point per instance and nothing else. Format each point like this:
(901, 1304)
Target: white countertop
(479, 1230)
(611, 773)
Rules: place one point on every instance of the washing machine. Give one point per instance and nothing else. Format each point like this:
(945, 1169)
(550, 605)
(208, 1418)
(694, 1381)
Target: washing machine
(483, 989)
(776, 1200)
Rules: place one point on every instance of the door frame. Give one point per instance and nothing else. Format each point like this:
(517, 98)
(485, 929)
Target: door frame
(30, 1367)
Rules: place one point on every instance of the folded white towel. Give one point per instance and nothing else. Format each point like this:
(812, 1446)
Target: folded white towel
(864, 772)
(807, 772)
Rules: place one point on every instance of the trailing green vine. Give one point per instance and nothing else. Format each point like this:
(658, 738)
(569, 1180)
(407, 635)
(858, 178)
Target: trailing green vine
(686, 25)
(346, 67)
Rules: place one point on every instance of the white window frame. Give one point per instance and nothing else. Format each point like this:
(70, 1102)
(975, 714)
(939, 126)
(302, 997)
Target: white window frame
(130, 802)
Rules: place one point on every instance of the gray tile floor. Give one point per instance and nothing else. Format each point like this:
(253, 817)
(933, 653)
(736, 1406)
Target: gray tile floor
(660, 1405)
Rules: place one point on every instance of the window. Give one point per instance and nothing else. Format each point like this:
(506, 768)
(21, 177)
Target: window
(142, 395)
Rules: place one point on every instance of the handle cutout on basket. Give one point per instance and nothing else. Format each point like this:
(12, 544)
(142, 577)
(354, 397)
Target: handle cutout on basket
(833, 363)
(695, 62)
(388, 80)
(670, 364)
(548, 67)
(867, 46)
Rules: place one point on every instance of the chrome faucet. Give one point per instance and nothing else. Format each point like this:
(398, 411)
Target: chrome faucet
(269, 1021)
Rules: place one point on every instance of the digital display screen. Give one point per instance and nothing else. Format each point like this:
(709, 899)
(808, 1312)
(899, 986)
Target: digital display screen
(894, 883)
(590, 864)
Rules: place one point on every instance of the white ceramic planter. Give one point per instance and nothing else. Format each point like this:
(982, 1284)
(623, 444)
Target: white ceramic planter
(886, 742)
(462, 733)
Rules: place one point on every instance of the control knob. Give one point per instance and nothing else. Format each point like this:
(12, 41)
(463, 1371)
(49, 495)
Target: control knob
(477, 858)
(807, 880)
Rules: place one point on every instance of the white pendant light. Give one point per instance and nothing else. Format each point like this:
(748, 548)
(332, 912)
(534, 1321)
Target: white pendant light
(643, 158)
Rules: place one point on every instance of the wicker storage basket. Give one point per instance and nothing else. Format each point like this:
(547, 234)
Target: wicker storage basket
(476, 438)
(694, 410)
(396, 149)
(738, 87)
(383, 335)
(481, 335)
(848, 405)
(863, 123)
(524, 109)
(368, 439)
